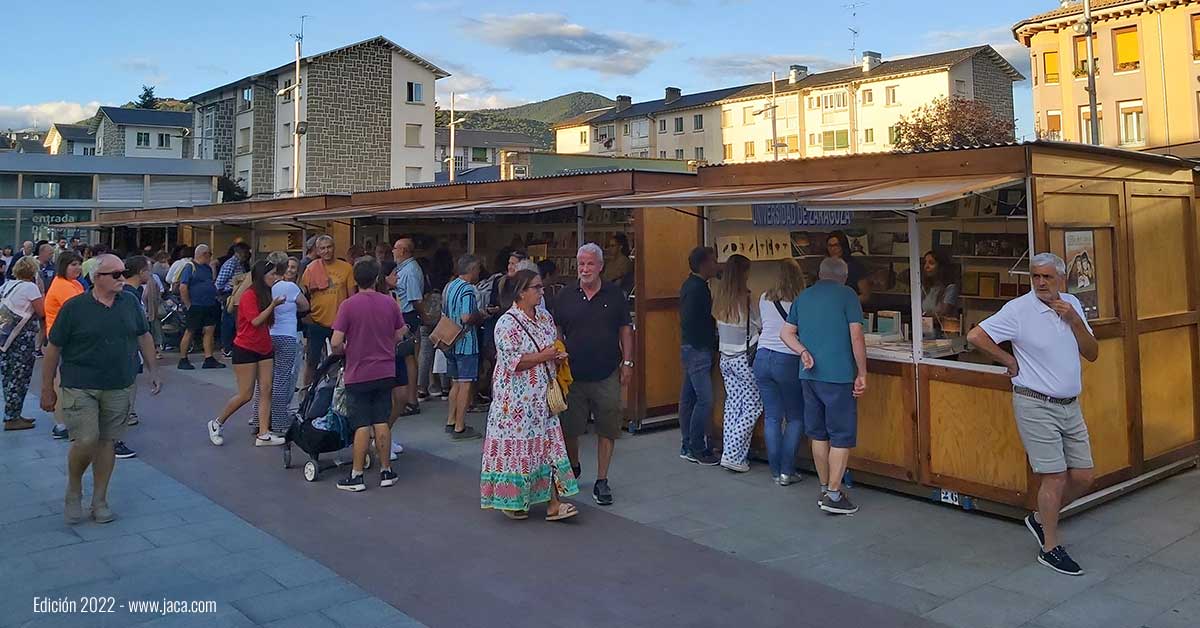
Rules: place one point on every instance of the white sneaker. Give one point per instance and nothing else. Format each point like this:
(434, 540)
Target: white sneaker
(214, 433)
(397, 448)
(268, 440)
(736, 467)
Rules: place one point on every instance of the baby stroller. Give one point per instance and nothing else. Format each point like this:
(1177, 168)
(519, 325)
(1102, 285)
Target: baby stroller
(317, 429)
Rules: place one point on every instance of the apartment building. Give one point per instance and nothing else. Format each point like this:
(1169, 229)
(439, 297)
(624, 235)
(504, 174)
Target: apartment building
(150, 133)
(367, 122)
(845, 111)
(574, 135)
(69, 139)
(1147, 68)
(477, 148)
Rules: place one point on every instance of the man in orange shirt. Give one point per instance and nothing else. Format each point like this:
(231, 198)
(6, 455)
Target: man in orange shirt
(327, 282)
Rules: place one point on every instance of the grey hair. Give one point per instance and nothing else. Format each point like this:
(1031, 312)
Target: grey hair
(1048, 259)
(833, 269)
(201, 249)
(323, 238)
(466, 263)
(277, 257)
(528, 264)
(95, 269)
(310, 243)
(594, 249)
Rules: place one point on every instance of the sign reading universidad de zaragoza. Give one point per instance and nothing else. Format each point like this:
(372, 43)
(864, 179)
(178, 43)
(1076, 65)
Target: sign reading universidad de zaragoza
(794, 215)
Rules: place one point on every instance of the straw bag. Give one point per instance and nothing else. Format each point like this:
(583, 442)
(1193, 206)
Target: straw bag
(555, 399)
(447, 331)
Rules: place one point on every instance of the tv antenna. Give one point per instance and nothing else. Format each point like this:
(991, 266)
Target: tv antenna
(853, 8)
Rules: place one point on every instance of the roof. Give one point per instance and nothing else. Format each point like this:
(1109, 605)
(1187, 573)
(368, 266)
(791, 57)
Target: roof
(73, 132)
(483, 138)
(582, 118)
(1076, 7)
(79, 164)
(652, 107)
(379, 39)
(147, 117)
(473, 175)
(30, 147)
(892, 67)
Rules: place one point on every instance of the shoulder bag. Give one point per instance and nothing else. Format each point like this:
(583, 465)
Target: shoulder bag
(447, 331)
(11, 324)
(555, 399)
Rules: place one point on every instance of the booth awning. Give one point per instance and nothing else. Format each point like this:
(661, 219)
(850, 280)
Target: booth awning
(731, 195)
(907, 194)
(502, 206)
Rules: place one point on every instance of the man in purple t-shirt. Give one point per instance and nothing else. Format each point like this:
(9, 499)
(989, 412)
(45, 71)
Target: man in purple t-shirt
(366, 330)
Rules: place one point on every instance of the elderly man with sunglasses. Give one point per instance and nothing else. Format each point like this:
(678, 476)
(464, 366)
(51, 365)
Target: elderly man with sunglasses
(96, 337)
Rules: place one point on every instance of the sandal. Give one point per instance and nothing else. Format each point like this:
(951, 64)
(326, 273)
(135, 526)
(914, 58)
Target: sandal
(566, 510)
(411, 409)
(516, 515)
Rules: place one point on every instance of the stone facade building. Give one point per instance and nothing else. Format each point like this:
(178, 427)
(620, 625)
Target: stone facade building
(368, 113)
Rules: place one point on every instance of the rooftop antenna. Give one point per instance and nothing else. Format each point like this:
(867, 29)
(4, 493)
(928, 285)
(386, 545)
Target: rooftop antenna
(853, 7)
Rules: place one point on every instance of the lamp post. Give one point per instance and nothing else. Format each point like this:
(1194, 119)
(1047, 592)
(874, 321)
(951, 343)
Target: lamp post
(454, 122)
(1085, 28)
(770, 108)
(298, 127)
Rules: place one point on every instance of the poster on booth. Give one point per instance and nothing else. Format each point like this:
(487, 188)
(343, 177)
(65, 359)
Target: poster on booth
(760, 245)
(1081, 270)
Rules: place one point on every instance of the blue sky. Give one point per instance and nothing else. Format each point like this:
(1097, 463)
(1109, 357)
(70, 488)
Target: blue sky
(72, 56)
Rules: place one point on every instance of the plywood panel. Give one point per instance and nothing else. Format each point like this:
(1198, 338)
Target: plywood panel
(973, 436)
(1168, 400)
(1092, 209)
(1079, 164)
(1104, 409)
(668, 238)
(886, 431)
(660, 365)
(1158, 226)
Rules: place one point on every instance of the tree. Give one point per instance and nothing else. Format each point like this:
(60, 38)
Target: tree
(945, 123)
(147, 100)
(231, 190)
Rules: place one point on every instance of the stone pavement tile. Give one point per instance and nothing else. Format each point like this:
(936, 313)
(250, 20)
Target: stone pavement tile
(1153, 530)
(988, 607)
(289, 602)
(170, 555)
(121, 545)
(247, 537)
(314, 619)
(17, 493)
(951, 577)
(90, 531)
(684, 526)
(1152, 584)
(226, 589)
(27, 582)
(1095, 609)
(1185, 614)
(299, 572)
(239, 562)
(1099, 559)
(745, 544)
(1183, 555)
(226, 617)
(892, 594)
(881, 560)
(33, 543)
(369, 613)
(14, 513)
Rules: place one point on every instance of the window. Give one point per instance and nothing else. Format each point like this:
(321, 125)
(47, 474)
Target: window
(835, 140)
(893, 135)
(164, 140)
(1126, 57)
(287, 94)
(1053, 125)
(243, 140)
(1133, 123)
(747, 115)
(604, 132)
(960, 86)
(479, 154)
(89, 150)
(868, 136)
(793, 143)
(412, 135)
(868, 97)
(644, 153)
(698, 153)
(1050, 66)
(662, 125)
(1196, 37)
(889, 95)
(812, 139)
(698, 122)
(1085, 124)
(679, 124)
(662, 154)
(460, 163)
(1081, 64)
(726, 151)
(287, 135)
(678, 153)
(583, 137)
(244, 178)
(768, 147)
(625, 129)
(43, 189)
(247, 97)
(726, 118)
(834, 101)
(414, 93)
(143, 140)
(285, 178)
(412, 175)
(749, 149)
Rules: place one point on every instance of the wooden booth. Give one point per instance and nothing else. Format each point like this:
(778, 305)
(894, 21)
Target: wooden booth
(937, 417)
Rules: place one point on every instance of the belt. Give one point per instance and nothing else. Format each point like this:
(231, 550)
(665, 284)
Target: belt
(1033, 394)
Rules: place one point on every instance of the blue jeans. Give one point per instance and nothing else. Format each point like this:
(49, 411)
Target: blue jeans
(696, 398)
(228, 329)
(778, 377)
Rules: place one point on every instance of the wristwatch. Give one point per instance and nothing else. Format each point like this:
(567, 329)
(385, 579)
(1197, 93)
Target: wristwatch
(628, 363)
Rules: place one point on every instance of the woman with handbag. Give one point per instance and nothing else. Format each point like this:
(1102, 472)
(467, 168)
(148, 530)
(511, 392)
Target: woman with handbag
(738, 326)
(777, 371)
(524, 456)
(21, 304)
(285, 342)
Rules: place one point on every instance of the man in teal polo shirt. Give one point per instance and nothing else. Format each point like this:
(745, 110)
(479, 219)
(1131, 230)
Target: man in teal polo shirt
(97, 336)
(825, 328)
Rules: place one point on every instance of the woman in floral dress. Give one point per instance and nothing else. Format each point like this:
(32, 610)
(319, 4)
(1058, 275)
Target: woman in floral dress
(524, 457)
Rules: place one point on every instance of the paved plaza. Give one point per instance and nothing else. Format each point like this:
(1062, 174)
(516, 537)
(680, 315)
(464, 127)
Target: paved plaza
(682, 546)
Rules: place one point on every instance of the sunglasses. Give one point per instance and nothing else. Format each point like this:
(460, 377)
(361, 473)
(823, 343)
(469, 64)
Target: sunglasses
(116, 274)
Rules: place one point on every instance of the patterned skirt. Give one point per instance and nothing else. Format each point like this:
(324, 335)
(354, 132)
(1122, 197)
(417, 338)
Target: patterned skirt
(521, 469)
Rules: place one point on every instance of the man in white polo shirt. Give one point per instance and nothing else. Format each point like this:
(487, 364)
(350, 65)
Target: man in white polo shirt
(1049, 332)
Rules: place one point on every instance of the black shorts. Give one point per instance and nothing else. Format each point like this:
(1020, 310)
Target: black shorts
(317, 335)
(201, 316)
(246, 356)
(369, 403)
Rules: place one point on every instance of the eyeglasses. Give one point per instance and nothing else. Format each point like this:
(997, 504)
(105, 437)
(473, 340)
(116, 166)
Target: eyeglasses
(536, 286)
(116, 274)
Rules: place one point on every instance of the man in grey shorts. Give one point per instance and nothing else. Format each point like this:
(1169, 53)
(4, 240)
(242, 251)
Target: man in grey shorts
(1049, 332)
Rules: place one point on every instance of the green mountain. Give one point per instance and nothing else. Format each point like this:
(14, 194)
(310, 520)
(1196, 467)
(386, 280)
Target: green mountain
(533, 119)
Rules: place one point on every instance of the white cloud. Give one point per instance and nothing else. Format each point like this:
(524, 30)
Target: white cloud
(42, 114)
(1000, 38)
(752, 67)
(572, 45)
(471, 90)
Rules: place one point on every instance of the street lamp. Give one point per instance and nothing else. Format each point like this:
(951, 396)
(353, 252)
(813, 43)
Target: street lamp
(1084, 28)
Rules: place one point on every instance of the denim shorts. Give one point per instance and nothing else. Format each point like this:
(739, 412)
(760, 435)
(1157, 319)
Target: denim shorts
(830, 413)
(462, 367)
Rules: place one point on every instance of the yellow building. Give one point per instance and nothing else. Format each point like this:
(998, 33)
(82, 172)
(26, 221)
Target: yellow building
(1147, 64)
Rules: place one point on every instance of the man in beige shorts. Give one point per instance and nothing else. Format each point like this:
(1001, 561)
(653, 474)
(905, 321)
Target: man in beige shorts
(96, 338)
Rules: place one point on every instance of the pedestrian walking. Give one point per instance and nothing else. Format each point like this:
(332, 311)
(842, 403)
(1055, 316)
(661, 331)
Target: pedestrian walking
(253, 355)
(198, 292)
(461, 305)
(593, 316)
(738, 326)
(233, 268)
(21, 307)
(410, 293)
(95, 338)
(285, 343)
(64, 285)
(524, 455)
(327, 282)
(824, 327)
(698, 332)
(368, 327)
(1049, 332)
(776, 370)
